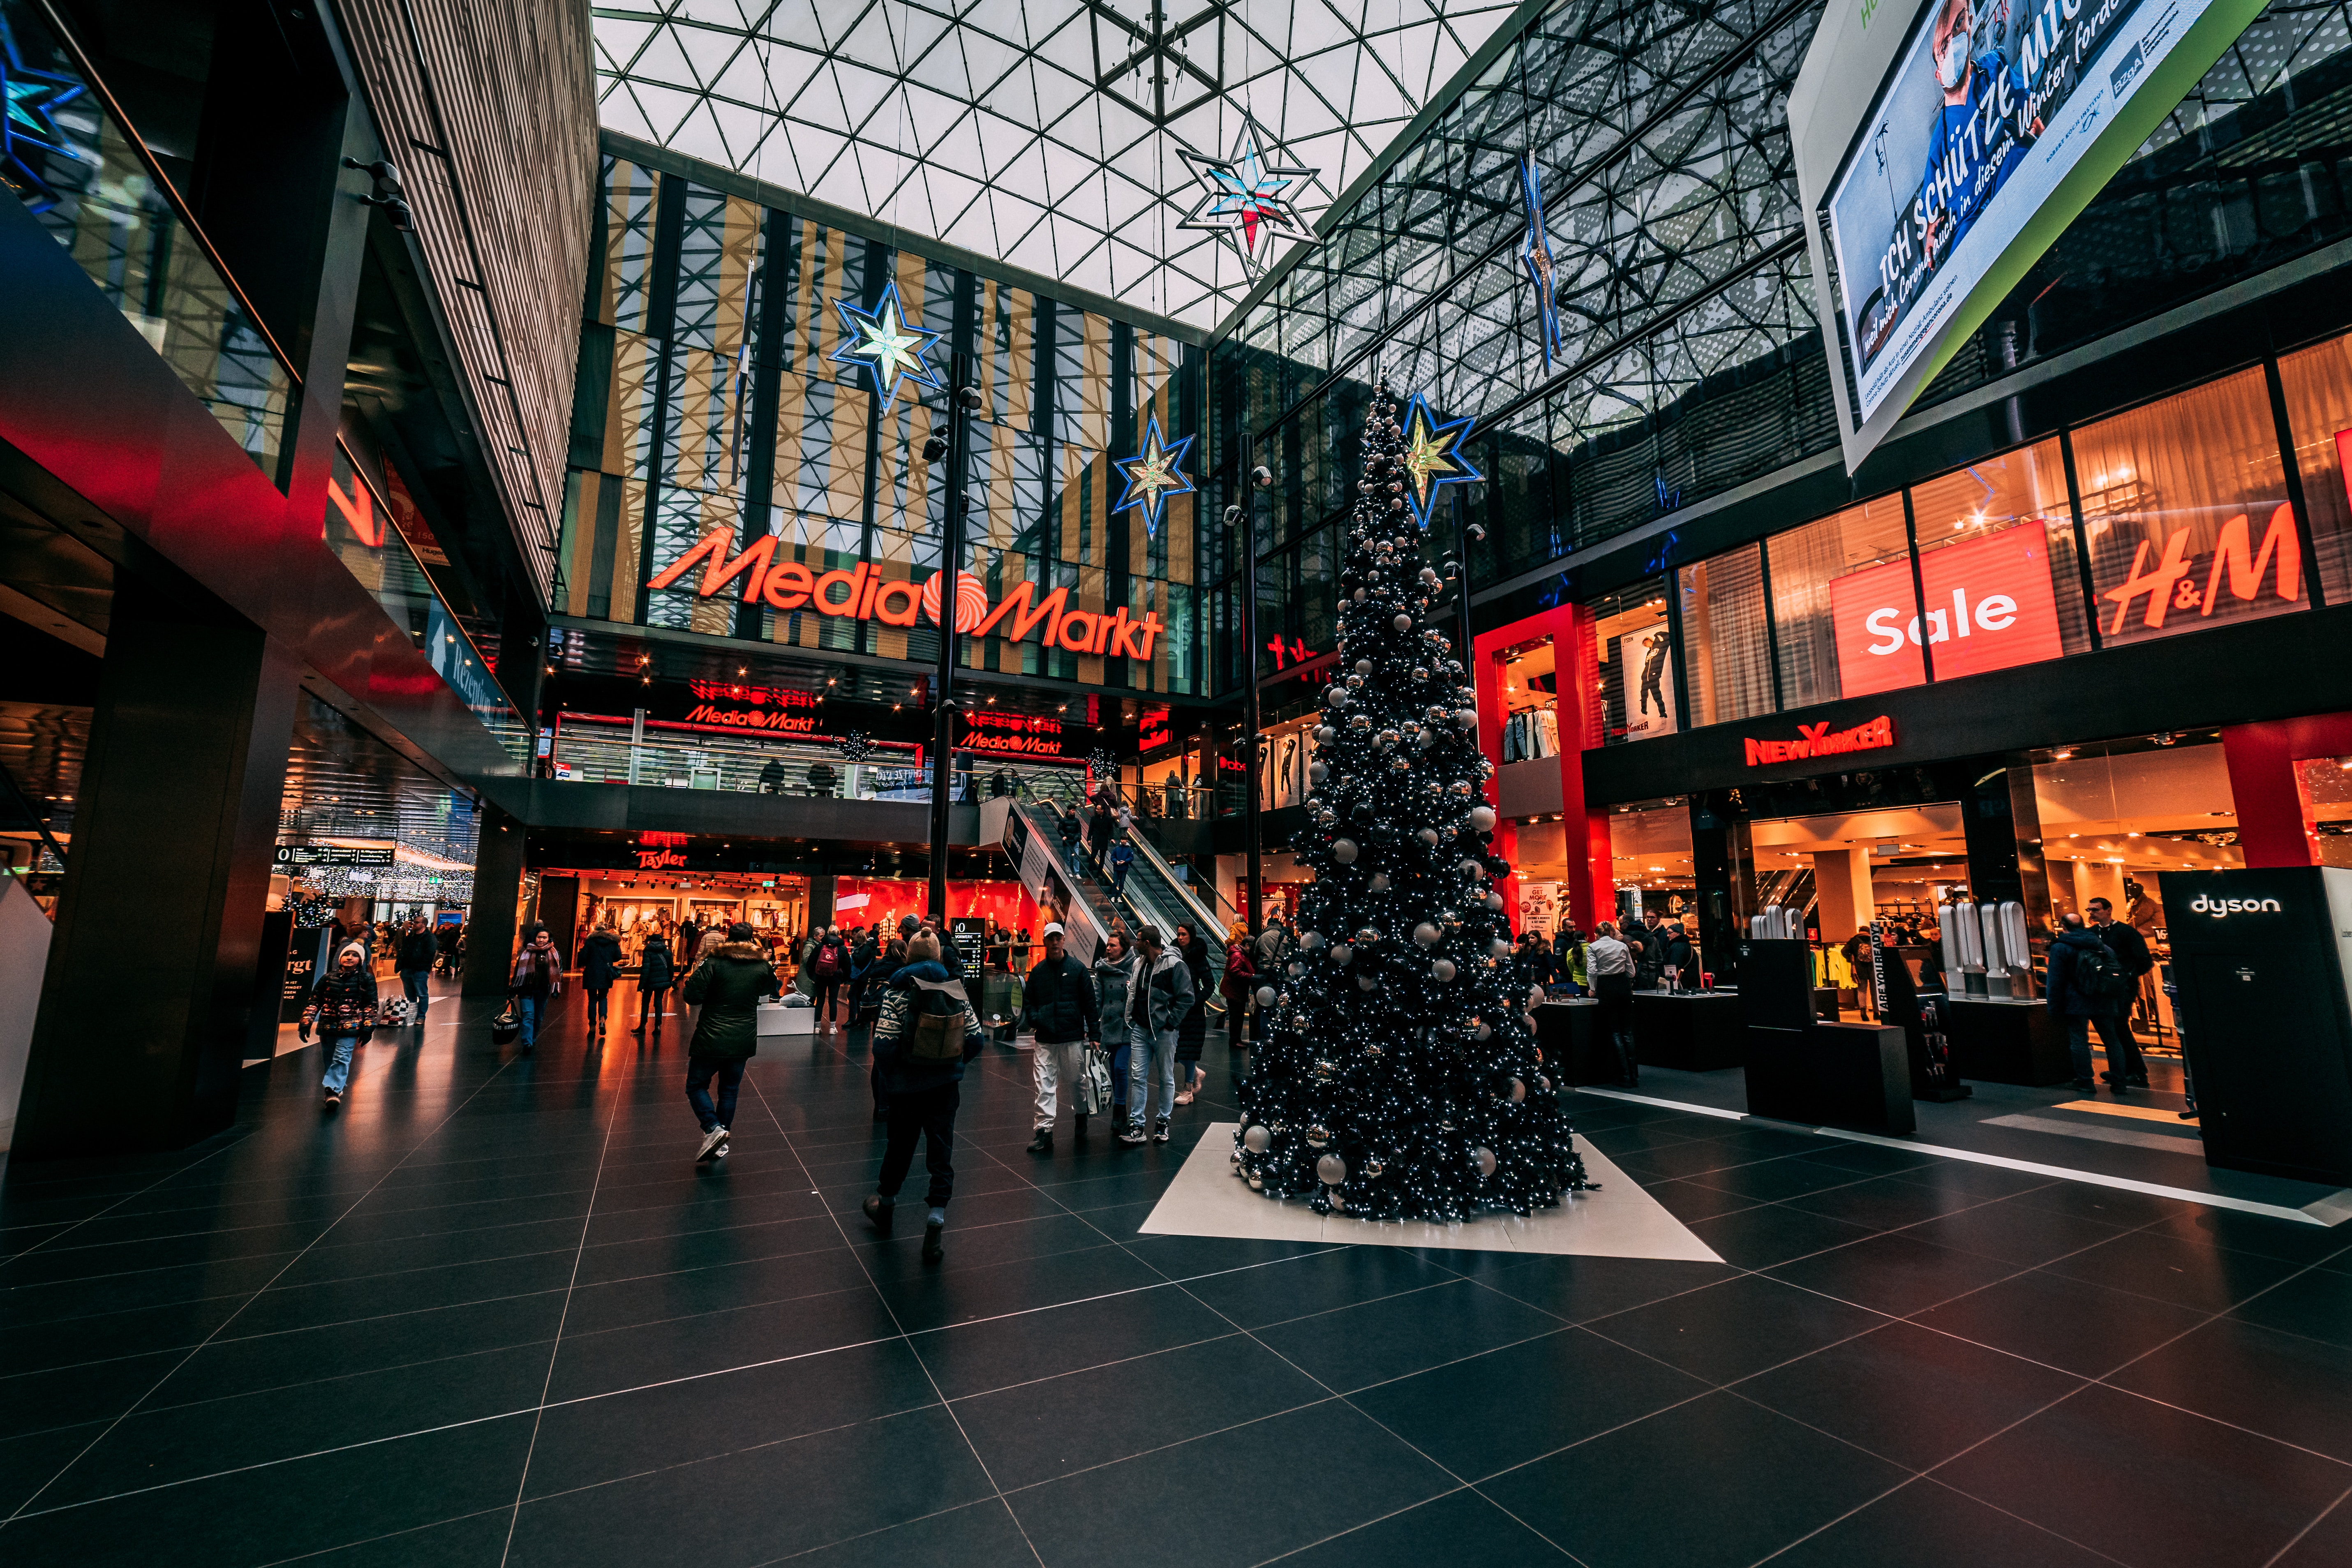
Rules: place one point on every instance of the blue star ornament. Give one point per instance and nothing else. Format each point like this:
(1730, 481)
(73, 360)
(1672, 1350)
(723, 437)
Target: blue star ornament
(888, 344)
(1251, 202)
(29, 135)
(1153, 475)
(1432, 458)
(1537, 255)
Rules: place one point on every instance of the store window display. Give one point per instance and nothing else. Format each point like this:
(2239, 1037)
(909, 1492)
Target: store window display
(2318, 387)
(1633, 646)
(1727, 644)
(1844, 611)
(1997, 563)
(1530, 703)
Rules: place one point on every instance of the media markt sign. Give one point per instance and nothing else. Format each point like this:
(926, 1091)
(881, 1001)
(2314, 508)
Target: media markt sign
(1942, 145)
(863, 593)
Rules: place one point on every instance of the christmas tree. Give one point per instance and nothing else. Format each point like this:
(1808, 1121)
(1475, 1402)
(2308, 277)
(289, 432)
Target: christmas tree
(1398, 1075)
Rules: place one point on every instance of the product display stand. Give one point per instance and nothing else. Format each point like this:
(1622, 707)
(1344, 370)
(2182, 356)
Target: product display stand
(2006, 1040)
(1693, 1031)
(1920, 1014)
(1853, 1076)
(1564, 1033)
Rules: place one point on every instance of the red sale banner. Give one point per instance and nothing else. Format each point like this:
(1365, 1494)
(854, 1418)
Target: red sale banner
(1989, 602)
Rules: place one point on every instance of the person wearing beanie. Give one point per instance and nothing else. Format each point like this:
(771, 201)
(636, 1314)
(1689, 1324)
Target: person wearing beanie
(341, 1007)
(727, 987)
(928, 1032)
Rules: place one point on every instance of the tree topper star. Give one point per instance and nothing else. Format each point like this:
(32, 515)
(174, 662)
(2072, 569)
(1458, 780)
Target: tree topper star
(29, 134)
(1432, 458)
(887, 344)
(1153, 475)
(1537, 255)
(1251, 203)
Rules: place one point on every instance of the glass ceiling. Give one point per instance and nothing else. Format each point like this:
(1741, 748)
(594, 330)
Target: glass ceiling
(1048, 133)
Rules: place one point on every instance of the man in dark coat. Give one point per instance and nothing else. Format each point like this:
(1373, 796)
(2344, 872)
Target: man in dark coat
(1059, 999)
(727, 987)
(600, 965)
(413, 960)
(2072, 996)
(2127, 1068)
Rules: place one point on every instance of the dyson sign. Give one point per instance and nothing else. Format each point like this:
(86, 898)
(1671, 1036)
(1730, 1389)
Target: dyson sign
(2223, 908)
(1989, 605)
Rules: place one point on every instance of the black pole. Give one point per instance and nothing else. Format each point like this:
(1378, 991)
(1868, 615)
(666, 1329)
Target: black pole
(943, 690)
(1256, 861)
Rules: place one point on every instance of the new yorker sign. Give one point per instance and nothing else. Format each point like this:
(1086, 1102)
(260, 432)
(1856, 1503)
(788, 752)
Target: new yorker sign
(862, 592)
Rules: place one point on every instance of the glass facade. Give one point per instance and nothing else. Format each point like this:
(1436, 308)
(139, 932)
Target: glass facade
(711, 404)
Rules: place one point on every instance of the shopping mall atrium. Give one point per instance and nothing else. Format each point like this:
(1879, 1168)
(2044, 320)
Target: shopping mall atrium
(1583, 770)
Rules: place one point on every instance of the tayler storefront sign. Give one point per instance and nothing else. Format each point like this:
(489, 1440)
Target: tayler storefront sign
(863, 593)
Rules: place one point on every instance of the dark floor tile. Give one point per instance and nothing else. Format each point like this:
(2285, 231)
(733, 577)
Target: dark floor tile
(314, 1504)
(2316, 1303)
(1893, 1273)
(2289, 1240)
(2149, 1484)
(1908, 1394)
(1195, 1257)
(95, 1391)
(1507, 1406)
(1218, 1502)
(1924, 1525)
(1736, 1329)
(1041, 1431)
(998, 1353)
(763, 1503)
(614, 1359)
(335, 1259)
(1692, 1158)
(2192, 1273)
(231, 1364)
(1869, 1159)
(476, 1541)
(690, 1292)
(932, 1299)
(2110, 1206)
(1304, 1286)
(1460, 1527)
(604, 1439)
(293, 1307)
(1580, 1290)
(2015, 1231)
(1884, 1203)
(707, 1249)
(1773, 1233)
(1625, 1499)
(28, 1462)
(1689, 1201)
(2326, 1542)
(978, 1535)
(1397, 1336)
(1770, 1181)
(1974, 1180)
(2283, 1385)
(2079, 1328)
(107, 1336)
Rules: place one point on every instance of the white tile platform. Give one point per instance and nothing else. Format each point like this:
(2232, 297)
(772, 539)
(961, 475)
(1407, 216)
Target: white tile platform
(1620, 1220)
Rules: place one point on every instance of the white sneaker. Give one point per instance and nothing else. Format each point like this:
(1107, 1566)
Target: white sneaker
(713, 1142)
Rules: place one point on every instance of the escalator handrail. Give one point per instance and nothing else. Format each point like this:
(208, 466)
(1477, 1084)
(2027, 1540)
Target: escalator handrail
(1032, 811)
(1200, 911)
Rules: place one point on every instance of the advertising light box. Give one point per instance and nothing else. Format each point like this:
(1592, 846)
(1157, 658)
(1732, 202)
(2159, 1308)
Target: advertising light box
(1989, 607)
(1942, 147)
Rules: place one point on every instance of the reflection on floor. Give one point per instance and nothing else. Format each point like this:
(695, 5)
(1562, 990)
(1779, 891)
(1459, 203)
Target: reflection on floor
(491, 1316)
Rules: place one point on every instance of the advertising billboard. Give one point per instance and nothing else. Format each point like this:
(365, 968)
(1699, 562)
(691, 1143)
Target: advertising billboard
(1940, 149)
(1989, 607)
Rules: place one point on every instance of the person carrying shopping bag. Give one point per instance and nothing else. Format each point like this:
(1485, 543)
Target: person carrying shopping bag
(1159, 998)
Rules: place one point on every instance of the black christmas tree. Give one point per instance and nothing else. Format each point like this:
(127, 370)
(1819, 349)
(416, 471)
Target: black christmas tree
(1399, 1077)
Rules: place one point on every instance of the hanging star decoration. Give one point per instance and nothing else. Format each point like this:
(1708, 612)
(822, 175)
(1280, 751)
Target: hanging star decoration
(887, 344)
(1537, 255)
(29, 134)
(1432, 458)
(1251, 203)
(1153, 475)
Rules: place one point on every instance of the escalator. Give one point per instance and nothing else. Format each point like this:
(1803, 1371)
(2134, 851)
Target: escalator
(1790, 887)
(1154, 894)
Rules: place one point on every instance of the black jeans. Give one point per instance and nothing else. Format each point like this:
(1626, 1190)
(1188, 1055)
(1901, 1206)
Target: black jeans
(651, 1005)
(600, 1006)
(828, 992)
(1615, 1023)
(2122, 1051)
(699, 1073)
(927, 1114)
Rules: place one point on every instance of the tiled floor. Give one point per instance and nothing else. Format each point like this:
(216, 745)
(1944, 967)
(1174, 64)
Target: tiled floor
(491, 1313)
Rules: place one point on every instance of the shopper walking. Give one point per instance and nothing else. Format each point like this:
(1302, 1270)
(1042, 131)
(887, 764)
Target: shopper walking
(862, 1024)
(1070, 837)
(829, 962)
(1240, 980)
(600, 965)
(1193, 1033)
(2130, 949)
(1159, 998)
(537, 980)
(342, 1008)
(654, 977)
(928, 1032)
(2087, 982)
(1122, 860)
(1114, 972)
(414, 964)
(446, 942)
(1099, 829)
(1057, 1000)
(1609, 964)
(729, 987)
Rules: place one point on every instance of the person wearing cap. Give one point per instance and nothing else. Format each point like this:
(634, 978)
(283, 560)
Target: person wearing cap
(1057, 1000)
(727, 987)
(1156, 1003)
(924, 1093)
(342, 1009)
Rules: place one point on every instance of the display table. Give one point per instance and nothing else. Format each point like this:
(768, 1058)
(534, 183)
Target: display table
(1694, 1031)
(775, 1019)
(2006, 1040)
(1856, 1076)
(1564, 1033)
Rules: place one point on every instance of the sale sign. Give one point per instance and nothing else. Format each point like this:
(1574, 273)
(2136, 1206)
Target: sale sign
(1989, 607)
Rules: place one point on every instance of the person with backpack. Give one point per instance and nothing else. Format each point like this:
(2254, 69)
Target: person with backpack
(1057, 1000)
(928, 1032)
(2128, 1068)
(1160, 997)
(1114, 973)
(878, 975)
(342, 1009)
(828, 963)
(654, 977)
(2086, 982)
(727, 987)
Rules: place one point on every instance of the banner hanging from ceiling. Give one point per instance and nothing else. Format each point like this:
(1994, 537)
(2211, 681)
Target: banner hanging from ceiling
(1941, 147)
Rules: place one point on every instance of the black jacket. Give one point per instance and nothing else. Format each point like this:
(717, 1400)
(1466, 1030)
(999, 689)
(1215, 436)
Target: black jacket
(417, 951)
(2129, 947)
(654, 971)
(729, 987)
(1059, 998)
(1070, 826)
(2067, 998)
(600, 957)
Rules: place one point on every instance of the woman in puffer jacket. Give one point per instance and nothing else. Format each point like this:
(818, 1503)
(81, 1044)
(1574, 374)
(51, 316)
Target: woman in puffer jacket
(342, 1008)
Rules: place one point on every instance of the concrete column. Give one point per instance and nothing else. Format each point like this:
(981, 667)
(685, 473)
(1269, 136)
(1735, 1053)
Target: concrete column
(491, 924)
(1842, 882)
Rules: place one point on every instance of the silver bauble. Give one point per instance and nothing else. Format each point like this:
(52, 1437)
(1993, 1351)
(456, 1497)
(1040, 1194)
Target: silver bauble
(1485, 1032)
(1484, 1160)
(1442, 970)
(1379, 882)
(1427, 934)
(1518, 1089)
(1266, 994)
(1310, 939)
(1494, 900)
(1373, 1166)
(1365, 982)
(1427, 835)
(1257, 1183)
(1363, 667)
(1341, 952)
(1402, 623)
(1257, 1140)
(1469, 866)
(1499, 948)
(1343, 850)
(1339, 1203)
(1318, 1136)
(1360, 595)
(1332, 1170)
(1482, 818)
(1319, 771)
(1468, 718)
